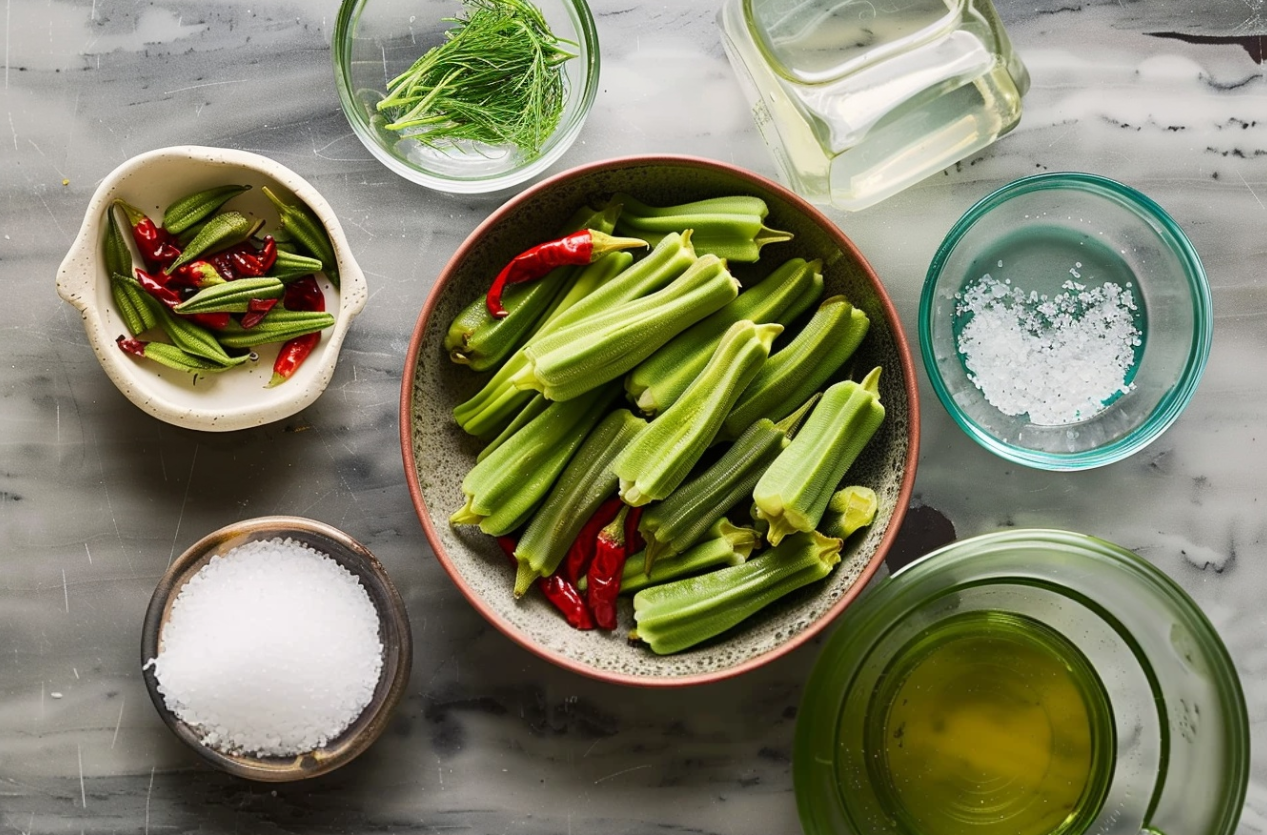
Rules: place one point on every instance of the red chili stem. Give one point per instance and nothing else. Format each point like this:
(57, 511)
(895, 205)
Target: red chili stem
(581, 551)
(583, 247)
(602, 583)
(561, 592)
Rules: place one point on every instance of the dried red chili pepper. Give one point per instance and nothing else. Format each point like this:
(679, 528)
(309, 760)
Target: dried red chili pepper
(561, 592)
(581, 551)
(197, 274)
(583, 247)
(301, 294)
(157, 245)
(256, 310)
(243, 260)
(159, 289)
(602, 583)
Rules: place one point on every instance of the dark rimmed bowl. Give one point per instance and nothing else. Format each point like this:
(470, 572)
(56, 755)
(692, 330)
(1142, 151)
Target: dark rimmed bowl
(437, 453)
(394, 633)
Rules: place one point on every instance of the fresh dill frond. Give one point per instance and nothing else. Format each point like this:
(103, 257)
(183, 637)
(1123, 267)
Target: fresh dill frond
(497, 80)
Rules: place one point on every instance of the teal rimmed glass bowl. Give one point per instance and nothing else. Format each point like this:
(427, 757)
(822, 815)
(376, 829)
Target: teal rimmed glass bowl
(1060, 236)
(1166, 716)
(376, 40)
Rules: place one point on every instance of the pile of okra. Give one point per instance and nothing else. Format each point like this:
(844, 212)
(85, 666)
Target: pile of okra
(639, 406)
(215, 286)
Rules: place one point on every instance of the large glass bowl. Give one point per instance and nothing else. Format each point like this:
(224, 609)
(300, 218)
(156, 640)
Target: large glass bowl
(376, 40)
(1175, 756)
(1039, 233)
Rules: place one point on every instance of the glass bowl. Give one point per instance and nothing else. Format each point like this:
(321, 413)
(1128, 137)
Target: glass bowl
(376, 40)
(1065, 321)
(1169, 750)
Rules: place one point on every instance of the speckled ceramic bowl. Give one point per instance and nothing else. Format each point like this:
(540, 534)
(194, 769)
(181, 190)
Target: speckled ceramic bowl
(437, 453)
(394, 633)
(238, 398)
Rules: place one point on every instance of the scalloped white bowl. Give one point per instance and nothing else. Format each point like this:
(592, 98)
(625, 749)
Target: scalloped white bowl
(238, 398)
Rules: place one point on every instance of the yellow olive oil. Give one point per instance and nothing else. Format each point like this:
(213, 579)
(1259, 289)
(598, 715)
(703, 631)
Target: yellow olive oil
(990, 723)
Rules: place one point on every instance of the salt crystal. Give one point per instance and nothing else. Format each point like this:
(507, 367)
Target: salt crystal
(1057, 360)
(271, 649)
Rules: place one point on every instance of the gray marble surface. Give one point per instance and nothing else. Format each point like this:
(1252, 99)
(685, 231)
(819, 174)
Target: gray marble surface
(96, 498)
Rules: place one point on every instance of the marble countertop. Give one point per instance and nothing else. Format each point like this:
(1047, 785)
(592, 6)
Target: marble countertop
(96, 497)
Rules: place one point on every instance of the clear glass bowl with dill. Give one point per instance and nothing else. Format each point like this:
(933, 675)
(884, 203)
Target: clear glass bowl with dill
(503, 95)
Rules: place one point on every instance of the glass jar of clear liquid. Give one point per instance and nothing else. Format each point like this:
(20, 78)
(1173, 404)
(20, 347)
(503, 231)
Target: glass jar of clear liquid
(858, 99)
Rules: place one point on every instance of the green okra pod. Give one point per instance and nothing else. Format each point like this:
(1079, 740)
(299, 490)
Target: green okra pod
(496, 403)
(305, 229)
(137, 308)
(780, 297)
(583, 485)
(116, 255)
(173, 357)
(807, 362)
(278, 326)
(224, 230)
(663, 454)
(678, 615)
(192, 338)
(480, 340)
(291, 265)
(602, 347)
(793, 493)
(731, 227)
(531, 409)
(683, 518)
(193, 209)
(505, 488)
(724, 544)
(850, 509)
(231, 296)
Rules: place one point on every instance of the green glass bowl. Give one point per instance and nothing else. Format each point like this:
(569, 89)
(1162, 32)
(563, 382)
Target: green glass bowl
(1176, 758)
(376, 40)
(1038, 232)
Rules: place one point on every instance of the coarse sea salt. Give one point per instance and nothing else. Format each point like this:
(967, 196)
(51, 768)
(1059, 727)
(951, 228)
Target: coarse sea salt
(1058, 358)
(271, 649)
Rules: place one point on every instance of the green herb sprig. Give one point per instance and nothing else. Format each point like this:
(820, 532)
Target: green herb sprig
(497, 79)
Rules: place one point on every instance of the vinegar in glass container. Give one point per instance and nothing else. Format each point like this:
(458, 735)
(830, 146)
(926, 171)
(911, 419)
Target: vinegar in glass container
(858, 99)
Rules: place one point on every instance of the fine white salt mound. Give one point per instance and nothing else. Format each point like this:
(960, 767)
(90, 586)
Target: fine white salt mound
(1057, 358)
(271, 649)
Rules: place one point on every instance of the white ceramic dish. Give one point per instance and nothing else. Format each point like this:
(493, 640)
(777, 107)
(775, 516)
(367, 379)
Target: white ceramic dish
(238, 398)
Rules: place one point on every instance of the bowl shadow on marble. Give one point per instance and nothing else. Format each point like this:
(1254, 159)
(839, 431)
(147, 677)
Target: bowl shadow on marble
(437, 453)
(394, 632)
